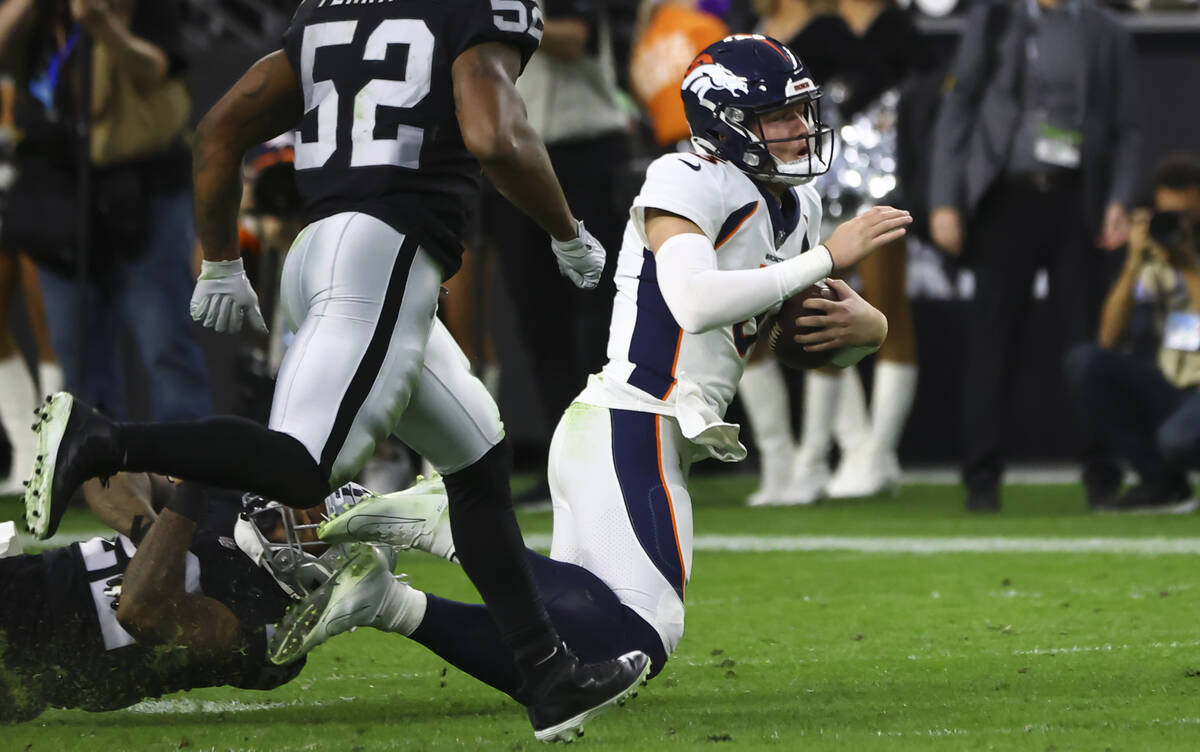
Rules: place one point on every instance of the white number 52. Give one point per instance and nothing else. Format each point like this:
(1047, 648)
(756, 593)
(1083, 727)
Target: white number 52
(404, 150)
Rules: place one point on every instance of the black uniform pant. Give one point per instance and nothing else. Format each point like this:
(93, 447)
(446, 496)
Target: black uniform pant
(563, 329)
(1019, 227)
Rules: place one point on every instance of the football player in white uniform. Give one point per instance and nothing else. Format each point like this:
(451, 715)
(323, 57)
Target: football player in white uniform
(716, 240)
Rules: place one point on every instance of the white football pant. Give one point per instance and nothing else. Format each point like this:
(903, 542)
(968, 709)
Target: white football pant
(369, 356)
(618, 482)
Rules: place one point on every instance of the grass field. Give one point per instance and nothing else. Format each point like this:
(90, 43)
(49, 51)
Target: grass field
(1004, 636)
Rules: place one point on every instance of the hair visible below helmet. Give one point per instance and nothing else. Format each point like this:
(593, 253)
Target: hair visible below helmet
(732, 84)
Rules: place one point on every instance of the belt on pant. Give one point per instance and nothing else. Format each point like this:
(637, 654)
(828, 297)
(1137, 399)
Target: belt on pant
(1042, 182)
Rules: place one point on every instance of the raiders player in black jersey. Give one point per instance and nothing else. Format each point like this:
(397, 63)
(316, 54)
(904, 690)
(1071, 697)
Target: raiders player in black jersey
(396, 104)
(96, 627)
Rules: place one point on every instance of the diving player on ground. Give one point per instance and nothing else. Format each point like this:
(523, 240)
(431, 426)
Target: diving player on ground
(396, 105)
(172, 605)
(716, 239)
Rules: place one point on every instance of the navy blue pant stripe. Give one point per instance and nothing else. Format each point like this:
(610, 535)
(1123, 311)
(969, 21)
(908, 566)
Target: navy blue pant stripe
(635, 457)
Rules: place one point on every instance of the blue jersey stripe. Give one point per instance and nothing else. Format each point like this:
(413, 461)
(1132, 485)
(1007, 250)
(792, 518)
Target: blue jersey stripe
(635, 449)
(734, 222)
(654, 344)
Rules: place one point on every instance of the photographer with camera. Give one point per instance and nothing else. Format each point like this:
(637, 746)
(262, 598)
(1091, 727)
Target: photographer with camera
(1150, 413)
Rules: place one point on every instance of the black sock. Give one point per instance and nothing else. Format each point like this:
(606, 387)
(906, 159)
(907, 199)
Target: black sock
(465, 636)
(492, 553)
(227, 452)
(588, 615)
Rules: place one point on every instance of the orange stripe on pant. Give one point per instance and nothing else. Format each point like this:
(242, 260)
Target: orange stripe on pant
(662, 476)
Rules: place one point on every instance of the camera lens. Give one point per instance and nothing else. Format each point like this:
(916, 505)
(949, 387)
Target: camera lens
(1167, 228)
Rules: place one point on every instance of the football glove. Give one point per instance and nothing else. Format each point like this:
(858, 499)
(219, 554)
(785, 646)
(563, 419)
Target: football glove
(580, 260)
(223, 298)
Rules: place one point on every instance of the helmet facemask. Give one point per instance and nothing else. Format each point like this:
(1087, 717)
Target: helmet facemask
(293, 563)
(815, 158)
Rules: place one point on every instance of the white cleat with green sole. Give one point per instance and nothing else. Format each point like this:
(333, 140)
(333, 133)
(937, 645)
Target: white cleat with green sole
(417, 517)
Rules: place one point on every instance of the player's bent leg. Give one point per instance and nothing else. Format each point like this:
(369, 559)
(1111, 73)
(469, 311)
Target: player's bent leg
(588, 616)
(454, 423)
(622, 510)
(365, 297)
(362, 592)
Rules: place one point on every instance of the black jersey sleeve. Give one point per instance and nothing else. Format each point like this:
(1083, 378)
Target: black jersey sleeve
(517, 23)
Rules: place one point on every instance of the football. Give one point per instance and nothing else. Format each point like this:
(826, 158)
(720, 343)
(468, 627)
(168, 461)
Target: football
(781, 337)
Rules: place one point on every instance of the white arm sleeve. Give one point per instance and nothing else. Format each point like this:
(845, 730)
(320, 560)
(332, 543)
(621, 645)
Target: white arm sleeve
(702, 297)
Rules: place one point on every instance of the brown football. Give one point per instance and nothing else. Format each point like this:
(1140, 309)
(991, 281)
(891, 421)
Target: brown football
(781, 337)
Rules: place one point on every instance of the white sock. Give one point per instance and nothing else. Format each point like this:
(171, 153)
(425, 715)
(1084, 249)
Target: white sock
(18, 398)
(891, 401)
(851, 427)
(402, 610)
(50, 378)
(764, 395)
(820, 410)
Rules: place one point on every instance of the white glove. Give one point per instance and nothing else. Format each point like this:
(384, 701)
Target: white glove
(580, 260)
(223, 298)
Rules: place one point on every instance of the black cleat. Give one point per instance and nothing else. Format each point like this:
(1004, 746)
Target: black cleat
(74, 443)
(1153, 498)
(575, 692)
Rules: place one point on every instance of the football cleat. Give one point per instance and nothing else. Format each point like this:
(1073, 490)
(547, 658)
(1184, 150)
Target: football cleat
(74, 443)
(353, 596)
(574, 693)
(416, 517)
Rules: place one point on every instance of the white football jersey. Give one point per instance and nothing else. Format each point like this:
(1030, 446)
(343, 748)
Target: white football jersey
(655, 366)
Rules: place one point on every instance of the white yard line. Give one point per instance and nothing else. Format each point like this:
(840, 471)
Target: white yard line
(933, 545)
(963, 544)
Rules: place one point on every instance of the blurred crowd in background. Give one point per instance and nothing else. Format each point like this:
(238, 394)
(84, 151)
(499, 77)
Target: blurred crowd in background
(1046, 306)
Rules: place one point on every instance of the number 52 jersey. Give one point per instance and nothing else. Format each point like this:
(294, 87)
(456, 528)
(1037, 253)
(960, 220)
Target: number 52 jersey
(380, 133)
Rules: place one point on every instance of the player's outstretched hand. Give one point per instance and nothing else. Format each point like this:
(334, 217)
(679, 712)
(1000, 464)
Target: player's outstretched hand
(223, 298)
(580, 260)
(854, 240)
(848, 321)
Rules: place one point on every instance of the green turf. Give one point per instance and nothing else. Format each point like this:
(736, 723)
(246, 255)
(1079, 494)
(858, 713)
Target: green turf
(822, 651)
